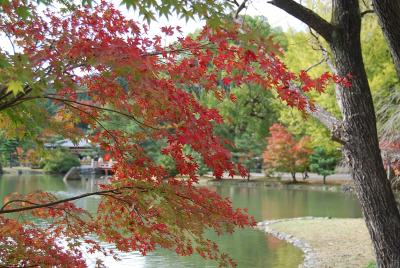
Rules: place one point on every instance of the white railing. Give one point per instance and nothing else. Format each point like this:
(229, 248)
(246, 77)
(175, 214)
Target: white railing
(101, 164)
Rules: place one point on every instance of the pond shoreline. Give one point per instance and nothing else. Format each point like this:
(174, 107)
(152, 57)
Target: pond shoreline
(336, 242)
(345, 186)
(309, 253)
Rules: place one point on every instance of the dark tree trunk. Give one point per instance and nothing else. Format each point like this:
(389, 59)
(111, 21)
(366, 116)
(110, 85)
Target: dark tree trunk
(324, 179)
(357, 131)
(360, 139)
(388, 12)
(293, 176)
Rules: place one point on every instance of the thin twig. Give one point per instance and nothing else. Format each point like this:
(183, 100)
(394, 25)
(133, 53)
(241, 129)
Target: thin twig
(315, 65)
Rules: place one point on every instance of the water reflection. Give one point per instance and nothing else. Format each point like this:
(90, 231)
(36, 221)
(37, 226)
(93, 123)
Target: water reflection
(250, 248)
(266, 203)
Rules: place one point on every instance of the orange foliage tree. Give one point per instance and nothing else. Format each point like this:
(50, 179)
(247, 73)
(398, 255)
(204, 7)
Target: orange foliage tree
(284, 153)
(91, 61)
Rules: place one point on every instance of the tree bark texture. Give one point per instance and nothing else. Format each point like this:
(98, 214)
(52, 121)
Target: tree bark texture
(388, 12)
(357, 131)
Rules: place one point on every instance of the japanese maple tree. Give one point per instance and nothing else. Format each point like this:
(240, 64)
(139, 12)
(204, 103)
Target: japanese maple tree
(92, 61)
(284, 153)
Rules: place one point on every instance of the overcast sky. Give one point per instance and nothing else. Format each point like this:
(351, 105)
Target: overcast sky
(276, 17)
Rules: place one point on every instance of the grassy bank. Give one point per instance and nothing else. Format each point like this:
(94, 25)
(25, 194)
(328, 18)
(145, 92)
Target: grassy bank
(327, 242)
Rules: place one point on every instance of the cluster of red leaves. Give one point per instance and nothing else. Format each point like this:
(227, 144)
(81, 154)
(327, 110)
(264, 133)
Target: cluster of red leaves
(92, 62)
(389, 146)
(55, 242)
(43, 246)
(319, 84)
(284, 153)
(391, 152)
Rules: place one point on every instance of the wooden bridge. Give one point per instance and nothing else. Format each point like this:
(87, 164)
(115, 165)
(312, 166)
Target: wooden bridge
(95, 167)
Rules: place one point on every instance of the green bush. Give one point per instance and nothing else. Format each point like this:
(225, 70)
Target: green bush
(168, 163)
(323, 162)
(39, 164)
(60, 161)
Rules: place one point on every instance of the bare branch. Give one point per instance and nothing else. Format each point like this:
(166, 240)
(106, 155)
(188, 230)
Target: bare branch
(331, 66)
(322, 115)
(240, 7)
(324, 51)
(315, 65)
(11, 42)
(369, 11)
(236, 3)
(309, 17)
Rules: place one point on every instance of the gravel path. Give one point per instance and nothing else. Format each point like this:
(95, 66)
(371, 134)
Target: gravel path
(326, 242)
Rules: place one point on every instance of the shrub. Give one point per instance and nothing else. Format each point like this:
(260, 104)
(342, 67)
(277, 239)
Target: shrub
(60, 161)
(169, 165)
(323, 162)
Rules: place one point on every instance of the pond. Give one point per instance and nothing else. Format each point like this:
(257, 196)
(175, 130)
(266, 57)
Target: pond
(249, 248)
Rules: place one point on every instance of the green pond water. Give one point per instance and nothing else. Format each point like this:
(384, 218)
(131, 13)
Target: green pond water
(249, 248)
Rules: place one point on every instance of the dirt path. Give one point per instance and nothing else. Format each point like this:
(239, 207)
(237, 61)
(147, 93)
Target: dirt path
(326, 242)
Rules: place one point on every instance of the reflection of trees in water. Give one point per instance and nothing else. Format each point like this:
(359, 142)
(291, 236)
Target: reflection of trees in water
(299, 203)
(88, 183)
(85, 185)
(51, 183)
(28, 183)
(266, 203)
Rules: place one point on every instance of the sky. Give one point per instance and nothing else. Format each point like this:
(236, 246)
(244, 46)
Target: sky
(276, 17)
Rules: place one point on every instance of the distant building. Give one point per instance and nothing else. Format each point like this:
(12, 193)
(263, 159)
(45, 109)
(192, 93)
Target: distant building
(81, 148)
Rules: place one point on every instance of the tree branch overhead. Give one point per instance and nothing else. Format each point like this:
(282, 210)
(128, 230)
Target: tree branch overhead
(309, 17)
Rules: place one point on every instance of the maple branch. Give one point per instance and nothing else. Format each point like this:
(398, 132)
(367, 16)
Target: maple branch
(98, 122)
(309, 17)
(65, 101)
(176, 50)
(16, 99)
(50, 204)
(3, 91)
(100, 108)
(107, 193)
